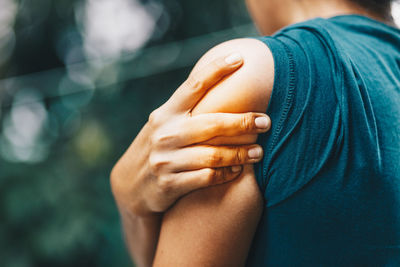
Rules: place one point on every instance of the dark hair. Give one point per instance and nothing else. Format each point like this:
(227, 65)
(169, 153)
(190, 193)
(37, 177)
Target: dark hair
(379, 7)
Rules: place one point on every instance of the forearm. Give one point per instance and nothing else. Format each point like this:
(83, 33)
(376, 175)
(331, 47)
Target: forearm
(140, 227)
(141, 237)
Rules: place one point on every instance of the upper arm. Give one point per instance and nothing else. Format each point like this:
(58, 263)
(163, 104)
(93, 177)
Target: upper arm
(211, 227)
(215, 226)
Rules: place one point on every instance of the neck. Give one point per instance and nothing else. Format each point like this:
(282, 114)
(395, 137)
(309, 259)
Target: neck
(308, 9)
(294, 11)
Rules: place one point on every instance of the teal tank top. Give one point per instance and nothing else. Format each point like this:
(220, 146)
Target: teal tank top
(331, 171)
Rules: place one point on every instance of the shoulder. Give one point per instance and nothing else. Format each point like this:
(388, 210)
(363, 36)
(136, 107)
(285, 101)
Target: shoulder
(249, 88)
(253, 50)
(215, 226)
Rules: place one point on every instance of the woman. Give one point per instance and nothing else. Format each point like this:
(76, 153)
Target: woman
(326, 192)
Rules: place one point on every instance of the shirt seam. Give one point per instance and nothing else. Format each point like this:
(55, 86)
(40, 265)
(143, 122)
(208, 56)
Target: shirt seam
(288, 103)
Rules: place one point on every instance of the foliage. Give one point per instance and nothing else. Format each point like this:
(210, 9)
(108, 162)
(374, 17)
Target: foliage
(73, 95)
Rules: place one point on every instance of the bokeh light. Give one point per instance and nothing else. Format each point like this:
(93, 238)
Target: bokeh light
(23, 127)
(8, 12)
(78, 78)
(113, 27)
(396, 12)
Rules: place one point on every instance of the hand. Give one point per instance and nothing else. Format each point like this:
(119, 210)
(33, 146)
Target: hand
(170, 157)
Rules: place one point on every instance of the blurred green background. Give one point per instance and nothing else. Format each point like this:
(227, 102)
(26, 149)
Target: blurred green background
(78, 79)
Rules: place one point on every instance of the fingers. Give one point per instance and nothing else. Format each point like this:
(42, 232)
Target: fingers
(196, 86)
(204, 127)
(187, 182)
(202, 156)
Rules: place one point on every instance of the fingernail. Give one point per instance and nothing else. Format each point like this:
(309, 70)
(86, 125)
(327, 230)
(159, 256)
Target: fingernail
(236, 168)
(255, 153)
(233, 59)
(262, 122)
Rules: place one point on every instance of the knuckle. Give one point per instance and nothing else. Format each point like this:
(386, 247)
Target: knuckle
(215, 158)
(194, 83)
(219, 176)
(212, 176)
(246, 123)
(155, 138)
(162, 138)
(165, 184)
(210, 172)
(239, 156)
(155, 117)
(157, 163)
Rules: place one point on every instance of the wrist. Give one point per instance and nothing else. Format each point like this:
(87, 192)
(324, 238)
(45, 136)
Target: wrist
(140, 216)
(129, 175)
(137, 211)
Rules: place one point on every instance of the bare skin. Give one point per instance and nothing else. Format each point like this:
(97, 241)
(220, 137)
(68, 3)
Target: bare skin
(212, 226)
(285, 12)
(215, 226)
(178, 154)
